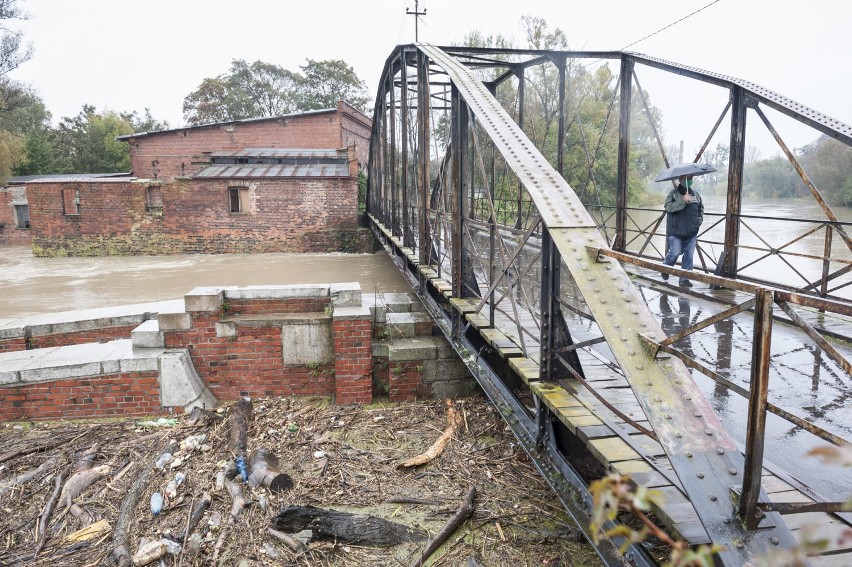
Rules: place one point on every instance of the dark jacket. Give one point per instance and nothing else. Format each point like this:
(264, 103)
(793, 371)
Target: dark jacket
(683, 219)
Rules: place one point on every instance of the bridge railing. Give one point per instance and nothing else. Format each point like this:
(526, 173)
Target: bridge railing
(467, 197)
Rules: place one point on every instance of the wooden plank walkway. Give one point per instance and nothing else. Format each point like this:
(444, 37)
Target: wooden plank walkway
(643, 459)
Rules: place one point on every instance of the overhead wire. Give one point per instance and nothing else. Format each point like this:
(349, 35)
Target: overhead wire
(669, 25)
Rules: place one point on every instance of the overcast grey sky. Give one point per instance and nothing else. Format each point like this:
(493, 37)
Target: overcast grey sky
(129, 55)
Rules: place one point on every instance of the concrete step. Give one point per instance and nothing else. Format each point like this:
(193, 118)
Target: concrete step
(408, 325)
(147, 335)
(424, 366)
(180, 385)
(380, 304)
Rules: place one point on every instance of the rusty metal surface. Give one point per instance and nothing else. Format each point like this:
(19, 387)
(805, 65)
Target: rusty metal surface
(282, 153)
(805, 114)
(250, 171)
(703, 454)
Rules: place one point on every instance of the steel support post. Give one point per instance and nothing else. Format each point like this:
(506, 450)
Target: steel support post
(458, 125)
(735, 182)
(759, 391)
(403, 110)
(625, 100)
(394, 185)
(548, 303)
(423, 157)
(521, 96)
(826, 260)
(560, 144)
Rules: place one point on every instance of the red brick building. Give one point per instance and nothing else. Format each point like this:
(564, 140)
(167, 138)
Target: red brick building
(279, 184)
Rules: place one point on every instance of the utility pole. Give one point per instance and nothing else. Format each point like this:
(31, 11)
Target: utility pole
(416, 13)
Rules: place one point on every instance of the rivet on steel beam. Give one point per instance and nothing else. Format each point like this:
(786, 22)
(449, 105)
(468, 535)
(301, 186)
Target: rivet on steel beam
(708, 432)
(603, 300)
(678, 435)
(720, 450)
(740, 545)
(700, 475)
(732, 471)
(658, 399)
(697, 414)
(669, 416)
(713, 498)
(688, 455)
(687, 398)
(639, 367)
(774, 540)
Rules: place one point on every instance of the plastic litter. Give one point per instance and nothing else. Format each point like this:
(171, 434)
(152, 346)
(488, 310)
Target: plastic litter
(241, 467)
(161, 422)
(162, 461)
(171, 489)
(193, 442)
(156, 503)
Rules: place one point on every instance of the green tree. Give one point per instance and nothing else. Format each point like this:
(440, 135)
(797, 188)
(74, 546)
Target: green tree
(326, 82)
(14, 52)
(88, 141)
(144, 122)
(264, 89)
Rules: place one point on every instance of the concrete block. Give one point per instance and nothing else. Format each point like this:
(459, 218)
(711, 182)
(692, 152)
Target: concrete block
(454, 388)
(147, 335)
(307, 341)
(417, 348)
(52, 373)
(380, 349)
(345, 294)
(146, 363)
(405, 324)
(445, 370)
(396, 302)
(277, 292)
(203, 299)
(180, 384)
(110, 366)
(174, 321)
(445, 349)
(226, 330)
(9, 377)
(12, 331)
(351, 313)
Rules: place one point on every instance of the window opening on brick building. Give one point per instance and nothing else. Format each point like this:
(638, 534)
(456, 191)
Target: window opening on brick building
(71, 201)
(239, 197)
(154, 198)
(22, 216)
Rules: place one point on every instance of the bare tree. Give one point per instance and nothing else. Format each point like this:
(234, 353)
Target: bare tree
(13, 53)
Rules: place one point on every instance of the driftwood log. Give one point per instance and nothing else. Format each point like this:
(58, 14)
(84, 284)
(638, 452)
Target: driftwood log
(46, 513)
(454, 421)
(194, 517)
(263, 471)
(9, 484)
(120, 554)
(461, 515)
(291, 542)
(80, 481)
(239, 416)
(344, 527)
(237, 499)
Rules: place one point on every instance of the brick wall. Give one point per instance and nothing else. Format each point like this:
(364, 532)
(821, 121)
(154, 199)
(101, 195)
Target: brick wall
(177, 153)
(353, 361)
(251, 361)
(286, 215)
(101, 335)
(132, 393)
(9, 233)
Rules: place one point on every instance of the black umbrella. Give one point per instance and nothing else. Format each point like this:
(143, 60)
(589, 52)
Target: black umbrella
(685, 169)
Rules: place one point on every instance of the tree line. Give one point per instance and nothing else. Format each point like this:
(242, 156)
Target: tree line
(31, 144)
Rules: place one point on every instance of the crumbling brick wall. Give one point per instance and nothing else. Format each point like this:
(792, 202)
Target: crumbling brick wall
(10, 233)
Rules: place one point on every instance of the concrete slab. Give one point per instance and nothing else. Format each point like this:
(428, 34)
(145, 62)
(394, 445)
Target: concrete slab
(174, 321)
(405, 324)
(203, 299)
(278, 292)
(180, 384)
(307, 341)
(147, 335)
(84, 319)
(417, 348)
(345, 294)
(348, 313)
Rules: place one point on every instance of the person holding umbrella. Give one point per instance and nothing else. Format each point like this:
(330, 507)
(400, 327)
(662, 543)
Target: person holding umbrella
(684, 215)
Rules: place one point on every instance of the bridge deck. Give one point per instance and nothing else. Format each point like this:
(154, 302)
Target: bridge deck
(603, 432)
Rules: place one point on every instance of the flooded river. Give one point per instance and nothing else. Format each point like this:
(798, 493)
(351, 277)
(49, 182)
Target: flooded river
(44, 285)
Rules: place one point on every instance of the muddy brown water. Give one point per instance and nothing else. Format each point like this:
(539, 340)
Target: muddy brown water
(32, 286)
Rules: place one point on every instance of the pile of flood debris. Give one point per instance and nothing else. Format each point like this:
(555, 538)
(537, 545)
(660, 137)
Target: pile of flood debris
(281, 482)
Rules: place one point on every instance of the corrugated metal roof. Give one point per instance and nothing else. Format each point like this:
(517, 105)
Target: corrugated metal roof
(64, 177)
(79, 179)
(273, 170)
(218, 124)
(281, 152)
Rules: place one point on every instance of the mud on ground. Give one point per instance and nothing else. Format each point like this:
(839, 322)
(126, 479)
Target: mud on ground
(343, 458)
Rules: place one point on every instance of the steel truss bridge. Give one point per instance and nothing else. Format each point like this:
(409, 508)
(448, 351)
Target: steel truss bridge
(508, 258)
